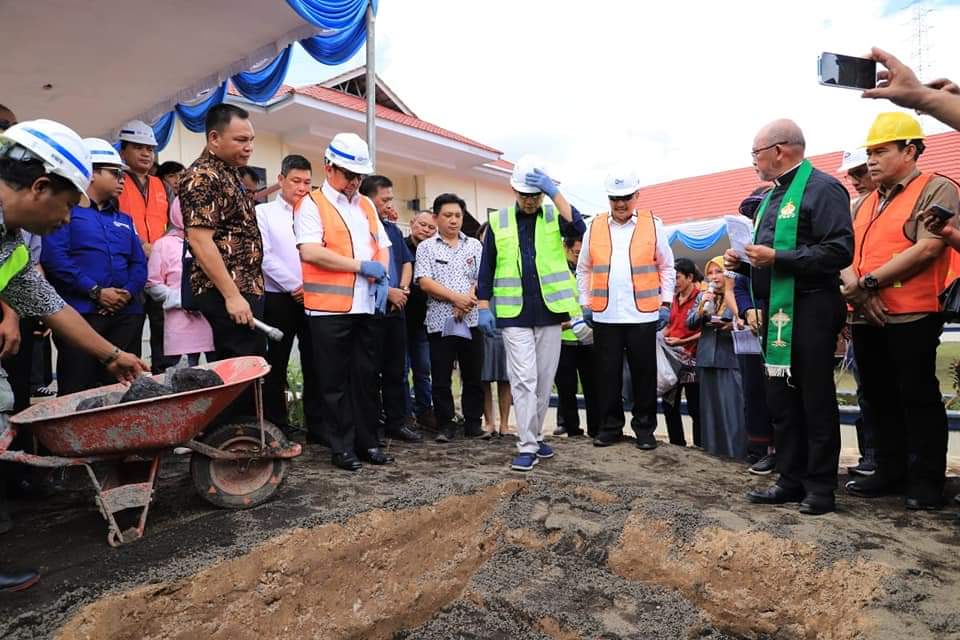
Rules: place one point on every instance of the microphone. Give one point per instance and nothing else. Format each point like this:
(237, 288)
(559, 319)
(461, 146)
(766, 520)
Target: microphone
(710, 306)
(271, 332)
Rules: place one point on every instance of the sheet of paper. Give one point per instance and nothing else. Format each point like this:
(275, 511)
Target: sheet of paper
(740, 232)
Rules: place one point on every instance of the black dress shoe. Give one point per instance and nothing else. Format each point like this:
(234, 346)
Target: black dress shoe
(817, 504)
(347, 461)
(376, 456)
(405, 433)
(560, 431)
(923, 504)
(18, 581)
(606, 441)
(874, 486)
(573, 434)
(646, 442)
(775, 494)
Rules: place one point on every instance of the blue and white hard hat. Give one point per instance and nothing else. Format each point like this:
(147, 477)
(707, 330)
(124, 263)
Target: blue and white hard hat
(59, 148)
(349, 151)
(102, 152)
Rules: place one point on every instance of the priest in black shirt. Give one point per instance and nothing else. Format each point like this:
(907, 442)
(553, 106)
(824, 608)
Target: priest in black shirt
(803, 240)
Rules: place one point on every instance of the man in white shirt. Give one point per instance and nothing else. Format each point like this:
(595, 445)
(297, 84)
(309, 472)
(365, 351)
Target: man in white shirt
(283, 306)
(626, 280)
(344, 252)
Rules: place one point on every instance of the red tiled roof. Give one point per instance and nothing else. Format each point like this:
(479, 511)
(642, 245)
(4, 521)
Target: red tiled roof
(717, 194)
(502, 164)
(354, 103)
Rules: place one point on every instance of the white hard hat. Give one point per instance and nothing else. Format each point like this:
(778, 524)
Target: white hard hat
(59, 148)
(350, 151)
(852, 160)
(622, 181)
(137, 132)
(102, 152)
(525, 165)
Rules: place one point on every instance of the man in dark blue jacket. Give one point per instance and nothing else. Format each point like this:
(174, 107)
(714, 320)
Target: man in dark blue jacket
(96, 263)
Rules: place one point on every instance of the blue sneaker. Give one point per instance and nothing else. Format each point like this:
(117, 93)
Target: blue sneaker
(524, 462)
(544, 451)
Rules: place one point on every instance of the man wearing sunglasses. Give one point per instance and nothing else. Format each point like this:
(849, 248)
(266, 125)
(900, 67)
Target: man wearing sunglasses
(526, 289)
(627, 280)
(97, 264)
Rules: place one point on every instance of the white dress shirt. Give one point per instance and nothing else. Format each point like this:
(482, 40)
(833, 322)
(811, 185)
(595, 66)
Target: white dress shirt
(281, 259)
(622, 307)
(309, 229)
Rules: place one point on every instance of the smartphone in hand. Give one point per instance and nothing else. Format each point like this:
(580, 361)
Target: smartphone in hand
(846, 72)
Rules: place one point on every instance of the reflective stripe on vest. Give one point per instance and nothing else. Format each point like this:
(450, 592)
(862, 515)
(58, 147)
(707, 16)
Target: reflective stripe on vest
(643, 263)
(13, 265)
(332, 291)
(150, 216)
(880, 237)
(557, 285)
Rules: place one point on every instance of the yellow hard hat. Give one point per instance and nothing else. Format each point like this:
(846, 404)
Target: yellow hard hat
(893, 126)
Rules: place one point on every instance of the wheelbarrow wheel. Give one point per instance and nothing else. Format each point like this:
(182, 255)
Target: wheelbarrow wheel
(239, 484)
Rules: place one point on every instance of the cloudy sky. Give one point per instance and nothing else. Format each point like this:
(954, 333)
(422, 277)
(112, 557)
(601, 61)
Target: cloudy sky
(674, 89)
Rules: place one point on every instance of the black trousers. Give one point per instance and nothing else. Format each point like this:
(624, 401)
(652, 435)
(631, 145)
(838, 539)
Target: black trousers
(77, 370)
(806, 419)
(391, 365)
(639, 342)
(280, 310)
(20, 365)
(469, 355)
(897, 366)
(756, 414)
(576, 359)
(347, 347)
(158, 361)
(674, 418)
(231, 340)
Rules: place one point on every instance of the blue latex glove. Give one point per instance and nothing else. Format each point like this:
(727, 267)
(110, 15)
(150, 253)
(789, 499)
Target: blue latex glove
(663, 319)
(380, 291)
(588, 316)
(373, 269)
(487, 323)
(541, 181)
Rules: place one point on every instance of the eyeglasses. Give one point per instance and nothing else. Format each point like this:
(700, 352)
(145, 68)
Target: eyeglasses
(117, 173)
(756, 152)
(349, 175)
(529, 196)
(625, 198)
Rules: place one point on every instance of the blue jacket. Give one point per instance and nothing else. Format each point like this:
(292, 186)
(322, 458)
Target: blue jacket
(98, 247)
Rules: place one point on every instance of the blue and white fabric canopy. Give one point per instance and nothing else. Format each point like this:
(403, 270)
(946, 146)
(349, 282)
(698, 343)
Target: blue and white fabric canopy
(699, 235)
(343, 24)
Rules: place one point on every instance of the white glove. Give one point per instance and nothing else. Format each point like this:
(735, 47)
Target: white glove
(158, 292)
(582, 330)
(172, 301)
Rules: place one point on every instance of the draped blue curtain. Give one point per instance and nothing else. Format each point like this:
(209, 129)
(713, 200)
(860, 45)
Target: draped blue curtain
(344, 22)
(261, 85)
(346, 17)
(699, 243)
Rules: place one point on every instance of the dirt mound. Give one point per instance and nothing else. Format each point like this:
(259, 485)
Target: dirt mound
(751, 583)
(380, 572)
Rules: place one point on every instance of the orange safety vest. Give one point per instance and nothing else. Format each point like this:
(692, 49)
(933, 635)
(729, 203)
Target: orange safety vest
(878, 237)
(643, 262)
(150, 215)
(332, 291)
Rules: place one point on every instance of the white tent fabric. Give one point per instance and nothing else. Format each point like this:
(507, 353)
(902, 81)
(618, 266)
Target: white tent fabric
(95, 65)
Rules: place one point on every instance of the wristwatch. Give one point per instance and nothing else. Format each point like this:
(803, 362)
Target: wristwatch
(870, 283)
(94, 293)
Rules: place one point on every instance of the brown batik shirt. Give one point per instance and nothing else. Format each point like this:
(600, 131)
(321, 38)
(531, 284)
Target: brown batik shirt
(212, 197)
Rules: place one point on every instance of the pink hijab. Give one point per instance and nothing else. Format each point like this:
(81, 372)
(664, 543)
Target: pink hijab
(176, 219)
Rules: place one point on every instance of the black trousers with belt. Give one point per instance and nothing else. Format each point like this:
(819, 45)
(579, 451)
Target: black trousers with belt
(391, 365)
(577, 359)
(231, 340)
(280, 310)
(77, 370)
(444, 351)
(674, 418)
(803, 407)
(897, 365)
(346, 345)
(639, 343)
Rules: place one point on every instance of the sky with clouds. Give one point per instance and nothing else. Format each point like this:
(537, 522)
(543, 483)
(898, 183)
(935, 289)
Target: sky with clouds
(674, 89)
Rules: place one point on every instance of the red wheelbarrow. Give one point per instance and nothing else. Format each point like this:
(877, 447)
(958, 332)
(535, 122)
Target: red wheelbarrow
(236, 465)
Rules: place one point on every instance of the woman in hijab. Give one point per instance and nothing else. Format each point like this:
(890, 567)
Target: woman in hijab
(722, 427)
